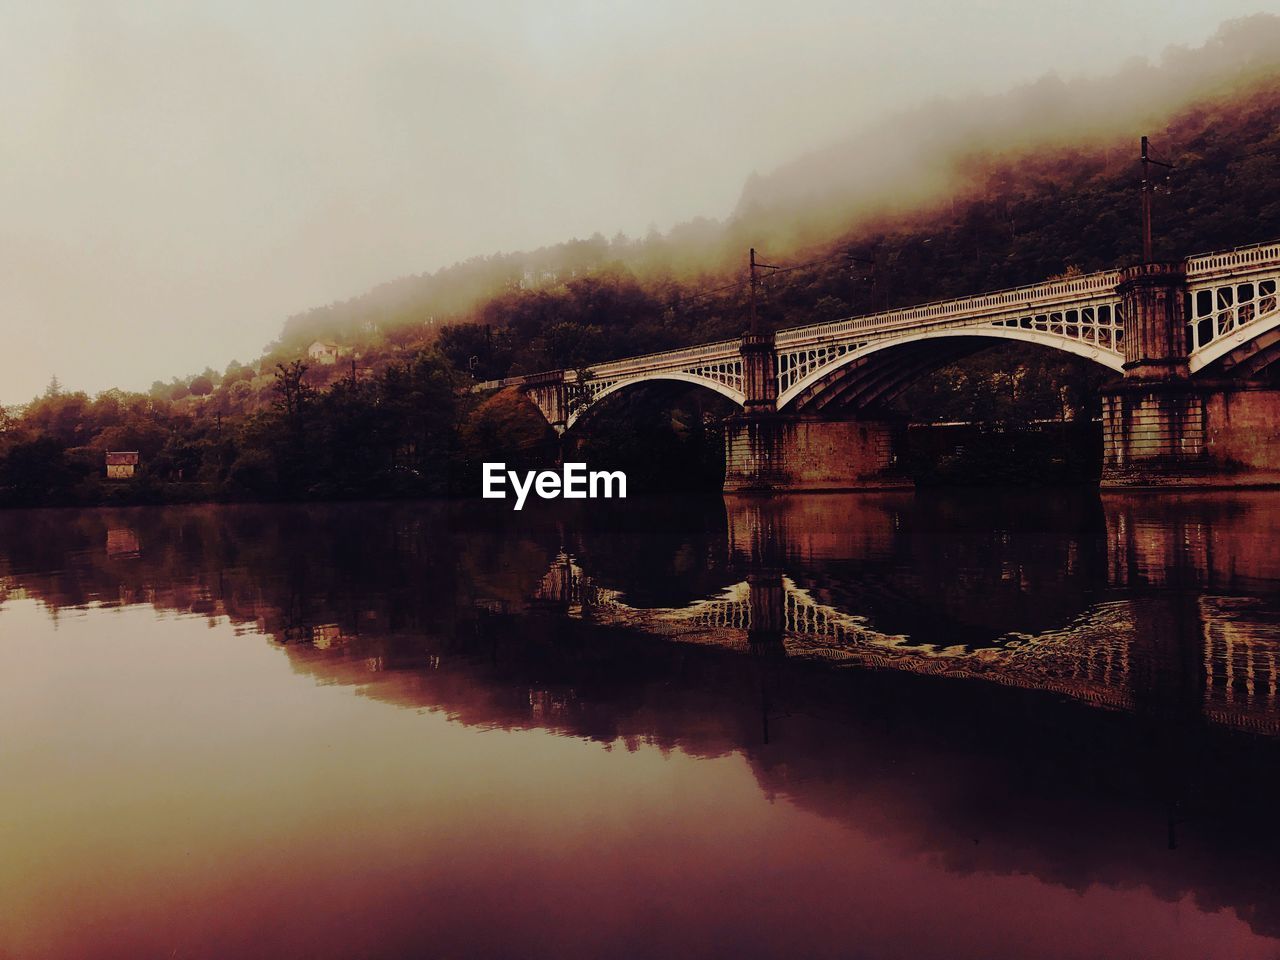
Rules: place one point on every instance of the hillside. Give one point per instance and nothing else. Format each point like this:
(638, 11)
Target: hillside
(921, 156)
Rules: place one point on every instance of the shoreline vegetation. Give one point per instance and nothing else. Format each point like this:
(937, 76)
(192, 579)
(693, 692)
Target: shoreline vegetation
(371, 398)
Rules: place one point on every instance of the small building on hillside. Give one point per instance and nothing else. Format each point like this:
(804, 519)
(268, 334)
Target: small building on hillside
(326, 353)
(122, 464)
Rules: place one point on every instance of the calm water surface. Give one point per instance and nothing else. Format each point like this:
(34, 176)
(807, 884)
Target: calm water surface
(874, 726)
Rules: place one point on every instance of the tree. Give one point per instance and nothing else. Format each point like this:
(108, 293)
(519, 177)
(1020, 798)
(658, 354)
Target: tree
(10, 425)
(201, 386)
(238, 395)
(287, 429)
(504, 422)
(35, 473)
(293, 393)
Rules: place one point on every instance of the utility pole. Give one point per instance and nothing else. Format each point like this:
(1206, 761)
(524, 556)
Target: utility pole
(853, 280)
(1146, 203)
(1147, 188)
(755, 268)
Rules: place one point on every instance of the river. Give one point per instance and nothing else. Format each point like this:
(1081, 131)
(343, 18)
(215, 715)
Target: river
(951, 725)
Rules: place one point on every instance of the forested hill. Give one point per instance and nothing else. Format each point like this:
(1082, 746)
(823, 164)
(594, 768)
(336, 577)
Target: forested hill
(918, 156)
(953, 198)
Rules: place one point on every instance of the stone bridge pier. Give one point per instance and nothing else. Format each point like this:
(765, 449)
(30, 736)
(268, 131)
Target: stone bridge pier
(1161, 426)
(767, 450)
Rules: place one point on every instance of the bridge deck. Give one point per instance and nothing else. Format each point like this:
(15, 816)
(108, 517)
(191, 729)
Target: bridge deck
(1227, 290)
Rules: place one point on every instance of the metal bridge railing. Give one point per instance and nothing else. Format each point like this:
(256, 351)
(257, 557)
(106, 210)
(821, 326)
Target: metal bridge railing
(1033, 297)
(1259, 255)
(666, 360)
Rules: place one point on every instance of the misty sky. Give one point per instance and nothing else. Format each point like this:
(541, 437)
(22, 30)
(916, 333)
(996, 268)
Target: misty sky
(177, 178)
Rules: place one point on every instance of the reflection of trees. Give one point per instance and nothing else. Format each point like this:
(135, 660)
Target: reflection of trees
(285, 569)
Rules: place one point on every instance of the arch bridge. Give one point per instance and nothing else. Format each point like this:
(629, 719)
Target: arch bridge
(1188, 341)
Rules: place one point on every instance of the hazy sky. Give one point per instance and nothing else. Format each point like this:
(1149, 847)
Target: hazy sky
(177, 178)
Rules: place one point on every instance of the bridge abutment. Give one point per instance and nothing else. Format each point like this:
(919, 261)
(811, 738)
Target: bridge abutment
(549, 394)
(1192, 435)
(1153, 420)
(777, 454)
(1161, 427)
(768, 452)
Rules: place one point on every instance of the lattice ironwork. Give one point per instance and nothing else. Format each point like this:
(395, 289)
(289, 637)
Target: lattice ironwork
(1217, 310)
(1101, 325)
(796, 365)
(718, 371)
(1081, 315)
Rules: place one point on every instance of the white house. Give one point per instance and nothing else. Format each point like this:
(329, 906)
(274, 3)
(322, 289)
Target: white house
(326, 353)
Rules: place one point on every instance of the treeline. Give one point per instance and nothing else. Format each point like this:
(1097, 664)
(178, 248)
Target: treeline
(398, 433)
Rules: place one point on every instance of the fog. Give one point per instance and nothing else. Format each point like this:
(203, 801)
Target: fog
(177, 179)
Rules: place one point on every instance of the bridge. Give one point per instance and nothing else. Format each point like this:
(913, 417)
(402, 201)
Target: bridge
(1189, 342)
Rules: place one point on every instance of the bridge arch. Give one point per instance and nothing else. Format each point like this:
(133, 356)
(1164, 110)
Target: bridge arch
(941, 347)
(1235, 325)
(1249, 358)
(590, 396)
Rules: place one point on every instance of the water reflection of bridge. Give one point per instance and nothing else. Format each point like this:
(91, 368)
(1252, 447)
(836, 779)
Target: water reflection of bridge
(738, 608)
(1170, 632)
